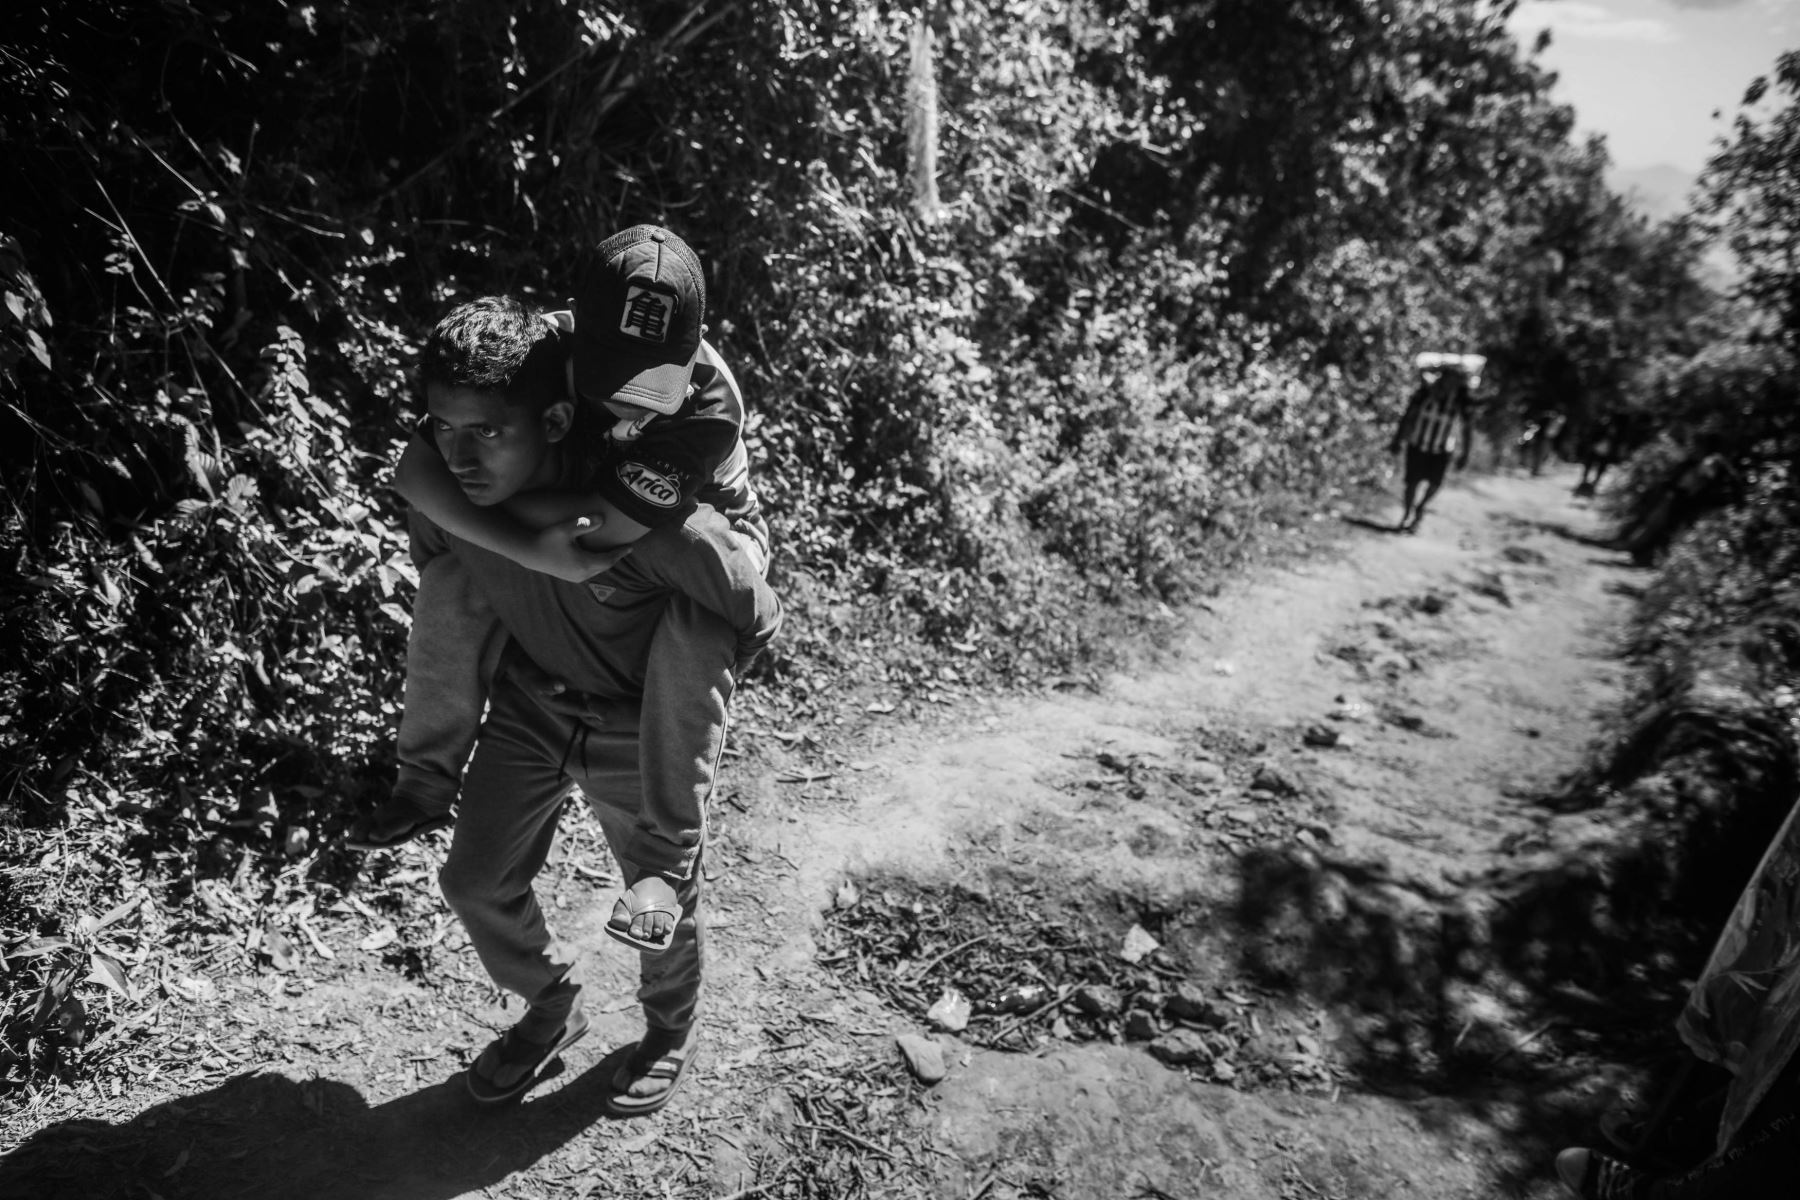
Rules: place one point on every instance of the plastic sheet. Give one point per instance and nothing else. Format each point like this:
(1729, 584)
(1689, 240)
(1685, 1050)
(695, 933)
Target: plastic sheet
(1744, 1013)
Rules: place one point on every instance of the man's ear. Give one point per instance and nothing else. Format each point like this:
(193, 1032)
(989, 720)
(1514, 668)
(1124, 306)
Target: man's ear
(557, 419)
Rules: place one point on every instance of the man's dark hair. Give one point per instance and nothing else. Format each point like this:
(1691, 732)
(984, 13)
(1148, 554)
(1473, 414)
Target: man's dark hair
(496, 344)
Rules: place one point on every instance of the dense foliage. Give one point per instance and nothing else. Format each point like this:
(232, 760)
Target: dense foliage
(1712, 497)
(1726, 456)
(1183, 253)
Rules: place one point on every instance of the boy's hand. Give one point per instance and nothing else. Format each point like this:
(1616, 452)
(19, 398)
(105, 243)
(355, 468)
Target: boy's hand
(746, 658)
(558, 551)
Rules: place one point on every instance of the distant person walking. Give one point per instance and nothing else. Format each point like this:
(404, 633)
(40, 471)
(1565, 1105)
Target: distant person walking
(1538, 439)
(1603, 445)
(1438, 425)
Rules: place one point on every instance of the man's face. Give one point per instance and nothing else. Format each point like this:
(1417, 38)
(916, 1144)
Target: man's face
(495, 449)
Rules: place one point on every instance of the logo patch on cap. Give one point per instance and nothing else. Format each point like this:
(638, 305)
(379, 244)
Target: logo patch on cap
(653, 487)
(648, 314)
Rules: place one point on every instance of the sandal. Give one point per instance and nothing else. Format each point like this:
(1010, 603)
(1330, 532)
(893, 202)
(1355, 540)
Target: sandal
(394, 822)
(1595, 1176)
(652, 1059)
(513, 1050)
(651, 894)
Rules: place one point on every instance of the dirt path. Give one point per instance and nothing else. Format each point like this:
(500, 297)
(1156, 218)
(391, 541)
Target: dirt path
(1391, 706)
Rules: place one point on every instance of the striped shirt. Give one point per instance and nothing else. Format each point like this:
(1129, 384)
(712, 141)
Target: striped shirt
(1433, 427)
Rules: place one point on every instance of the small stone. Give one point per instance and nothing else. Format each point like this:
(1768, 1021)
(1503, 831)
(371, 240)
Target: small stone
(1181, 1048)
(924, 1057)
(1140, 1026)
(1274, 780)
(1097, 1000)
(1207, 774)
(1138, 943)
(951, 1012)
(1321, 736)
(1189, 1002)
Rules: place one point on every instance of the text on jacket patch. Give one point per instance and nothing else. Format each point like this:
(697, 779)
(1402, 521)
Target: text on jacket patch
(651, 486)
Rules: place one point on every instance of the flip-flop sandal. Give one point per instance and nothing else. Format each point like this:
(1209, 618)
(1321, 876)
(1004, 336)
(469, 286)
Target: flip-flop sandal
(661, 898)
(514, 1049)
(670, 1065)
(395, 823)
(1595, 1176)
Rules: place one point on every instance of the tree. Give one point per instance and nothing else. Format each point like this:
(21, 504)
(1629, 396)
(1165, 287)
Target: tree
(1751, 195)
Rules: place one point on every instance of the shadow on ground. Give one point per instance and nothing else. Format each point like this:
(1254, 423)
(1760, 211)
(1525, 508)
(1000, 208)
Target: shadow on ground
(263, 1136)
(1527, 999)
(1568, 533)
(1369, 523)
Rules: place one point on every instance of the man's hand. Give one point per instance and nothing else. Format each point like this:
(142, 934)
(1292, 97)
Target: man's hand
(558, 551)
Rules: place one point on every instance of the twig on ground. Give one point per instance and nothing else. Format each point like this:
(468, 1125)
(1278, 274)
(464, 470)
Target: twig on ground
(865, 1143)
(977, 940)
(1029, 1017)
(1523, 1042)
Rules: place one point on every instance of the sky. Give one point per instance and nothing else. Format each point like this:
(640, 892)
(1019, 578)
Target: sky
(1649, 74)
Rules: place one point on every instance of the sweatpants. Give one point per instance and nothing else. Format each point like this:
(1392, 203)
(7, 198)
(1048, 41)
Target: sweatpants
(452, 654)
(531, 754)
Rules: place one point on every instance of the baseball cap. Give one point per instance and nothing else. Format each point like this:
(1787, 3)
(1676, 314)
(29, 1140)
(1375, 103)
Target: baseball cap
(639, 304)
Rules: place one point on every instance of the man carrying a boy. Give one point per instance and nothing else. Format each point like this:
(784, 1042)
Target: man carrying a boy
(661, 426)
(588, 694)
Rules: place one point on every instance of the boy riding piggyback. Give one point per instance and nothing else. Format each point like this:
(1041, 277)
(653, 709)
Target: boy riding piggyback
(660, 416)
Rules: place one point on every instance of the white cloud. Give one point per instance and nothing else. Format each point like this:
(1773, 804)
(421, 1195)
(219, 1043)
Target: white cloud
(1575, 19)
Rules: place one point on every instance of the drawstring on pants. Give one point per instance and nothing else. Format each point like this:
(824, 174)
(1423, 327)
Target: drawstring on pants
(577, 735)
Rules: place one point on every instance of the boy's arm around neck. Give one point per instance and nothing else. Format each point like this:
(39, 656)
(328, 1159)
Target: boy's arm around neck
(537, 530)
